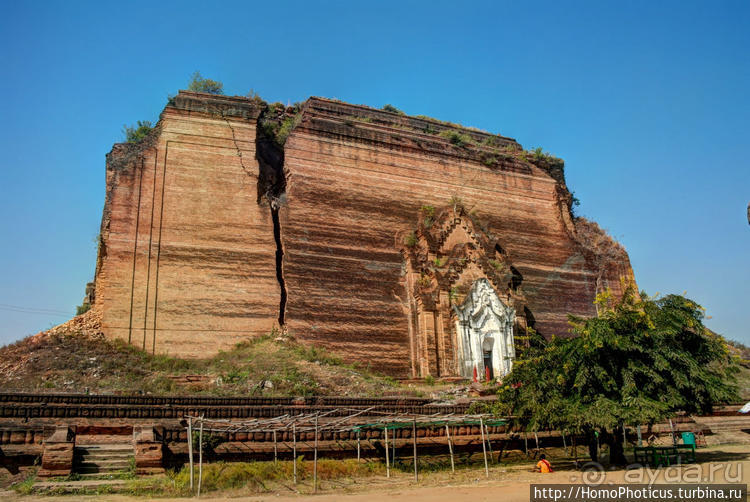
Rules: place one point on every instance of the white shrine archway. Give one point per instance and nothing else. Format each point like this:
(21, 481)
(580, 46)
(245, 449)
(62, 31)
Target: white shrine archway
(485, 333)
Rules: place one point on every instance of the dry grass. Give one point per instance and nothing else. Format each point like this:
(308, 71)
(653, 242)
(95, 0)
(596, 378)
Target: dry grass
(76, 360)
(254, 477)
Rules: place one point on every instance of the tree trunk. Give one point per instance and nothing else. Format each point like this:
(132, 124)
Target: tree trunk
(593, 450)
(616, 451)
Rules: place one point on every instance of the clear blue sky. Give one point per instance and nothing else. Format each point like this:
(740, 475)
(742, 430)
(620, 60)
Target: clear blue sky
(646, 101)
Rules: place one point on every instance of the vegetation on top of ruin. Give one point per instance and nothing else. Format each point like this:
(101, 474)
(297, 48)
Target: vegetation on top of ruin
(200, 84)
(136, 133)
(392, 109)
(277, 121)
(493, 150)
(590, 235)
(457, 138)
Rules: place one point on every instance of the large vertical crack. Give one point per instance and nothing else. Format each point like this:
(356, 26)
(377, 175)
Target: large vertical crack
(272, 191)
(279, 263)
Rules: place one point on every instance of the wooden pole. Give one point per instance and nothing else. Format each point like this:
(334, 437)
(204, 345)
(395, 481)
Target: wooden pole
(190, 449)
(450, 447)
(414, 440)
(315, 458)
(294, 450)
(484, 449)
(565, 446)
(275, 449)
(536, 438)
(387, 461)
(200, 458)
(358, 448)
(489, 443)
(526, 443)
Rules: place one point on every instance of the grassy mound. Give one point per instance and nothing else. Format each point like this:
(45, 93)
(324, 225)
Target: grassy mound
(76, 358)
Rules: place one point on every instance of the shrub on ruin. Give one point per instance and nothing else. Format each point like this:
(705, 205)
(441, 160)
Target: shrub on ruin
(136, 133)
(410, 240)
(488, 159)
(200, 84)
(392, 109)
(286, 127)
(83, 308)
(457, 138)
(429, 215)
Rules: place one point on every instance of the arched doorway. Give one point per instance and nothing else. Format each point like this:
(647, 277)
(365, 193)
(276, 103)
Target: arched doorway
(485, 329)
(487, 346)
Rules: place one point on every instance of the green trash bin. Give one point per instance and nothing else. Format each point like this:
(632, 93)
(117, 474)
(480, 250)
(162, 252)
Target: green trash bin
(688, 438)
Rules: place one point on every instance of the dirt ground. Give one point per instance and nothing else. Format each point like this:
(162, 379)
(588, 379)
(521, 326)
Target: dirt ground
(719, 464)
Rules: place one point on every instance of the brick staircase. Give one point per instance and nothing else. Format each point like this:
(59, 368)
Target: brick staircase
(98, 459)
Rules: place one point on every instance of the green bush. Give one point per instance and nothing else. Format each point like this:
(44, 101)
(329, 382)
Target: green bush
(200, 84)
(429, 215)
(496, 265)
(410, 240)
(286, 127)
(457, 138)
(134, 134)
(393, 109)
(488, 159)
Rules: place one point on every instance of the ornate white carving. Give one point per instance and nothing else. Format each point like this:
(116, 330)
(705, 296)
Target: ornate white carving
(484, 323)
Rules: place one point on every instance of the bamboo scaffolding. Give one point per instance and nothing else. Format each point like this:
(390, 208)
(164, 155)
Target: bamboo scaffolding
(387, 463)
(414, 438)
(484, 449)
(450, 447)
(190, 449)
(315, 458)
(294, 443)
(354, 422)
(200, 458)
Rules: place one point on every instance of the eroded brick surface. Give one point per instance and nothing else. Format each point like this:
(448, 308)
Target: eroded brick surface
(188, 258)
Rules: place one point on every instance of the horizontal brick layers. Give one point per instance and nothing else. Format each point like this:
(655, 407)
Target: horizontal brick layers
(347, 204)
(188, 259)
(204, 276)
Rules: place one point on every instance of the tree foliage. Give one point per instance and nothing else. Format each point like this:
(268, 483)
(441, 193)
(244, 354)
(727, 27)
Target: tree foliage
(200, 84)
(392, 109)
(134, 134)
(639, 361)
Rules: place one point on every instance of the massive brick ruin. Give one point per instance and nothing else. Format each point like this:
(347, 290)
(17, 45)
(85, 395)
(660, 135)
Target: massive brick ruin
(411, 245)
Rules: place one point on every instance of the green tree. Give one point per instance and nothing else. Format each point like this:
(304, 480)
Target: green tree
(134, 134)
(200, 84)
(639, 361)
